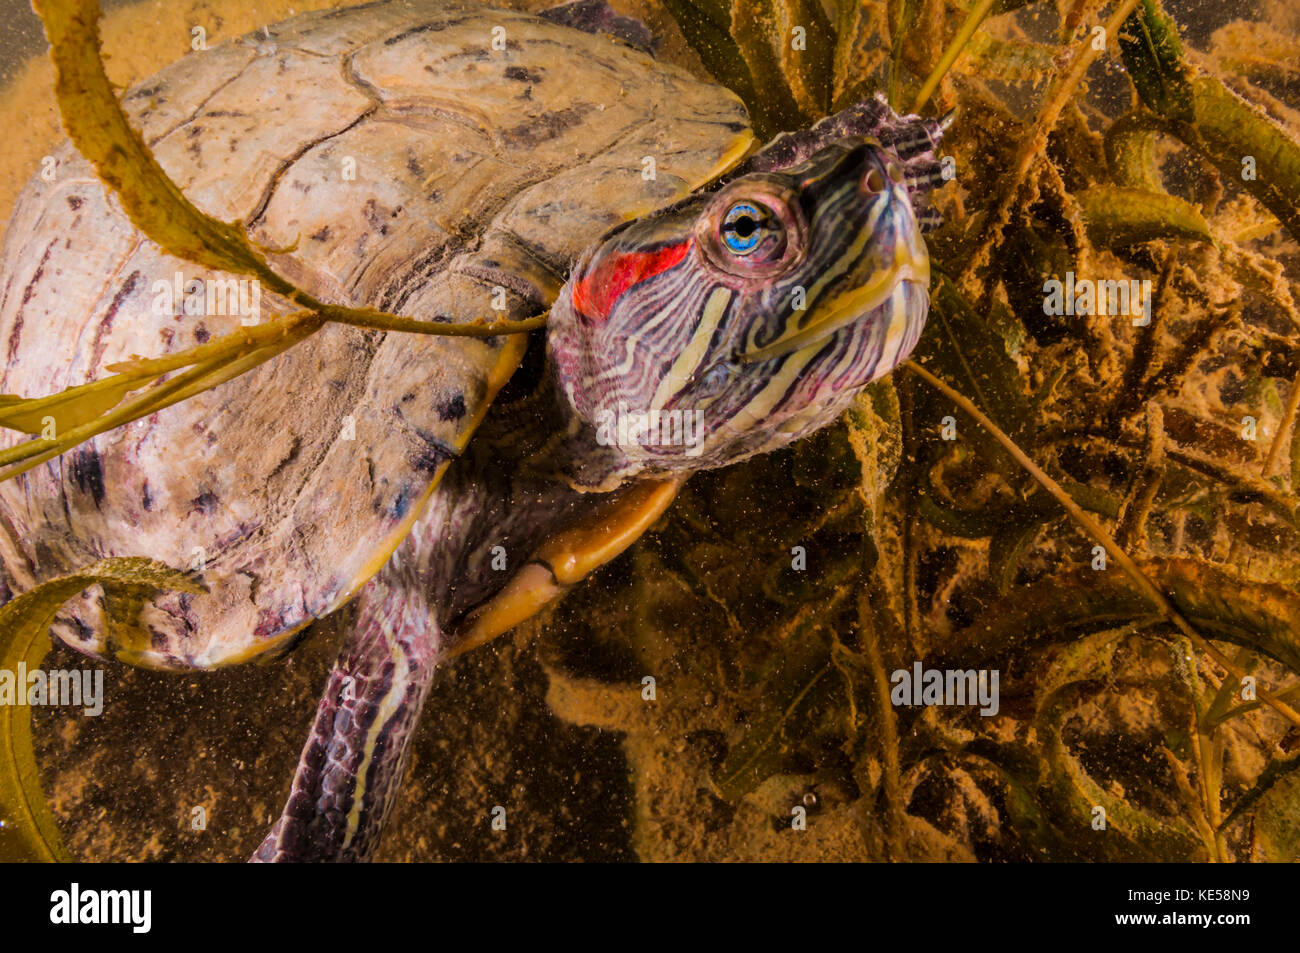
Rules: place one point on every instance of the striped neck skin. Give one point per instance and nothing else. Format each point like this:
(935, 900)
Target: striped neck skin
(739, 321)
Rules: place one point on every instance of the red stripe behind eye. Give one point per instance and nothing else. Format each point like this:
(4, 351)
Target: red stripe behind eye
(595, 294)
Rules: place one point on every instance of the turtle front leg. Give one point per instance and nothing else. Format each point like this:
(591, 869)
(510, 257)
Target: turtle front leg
(352, 765)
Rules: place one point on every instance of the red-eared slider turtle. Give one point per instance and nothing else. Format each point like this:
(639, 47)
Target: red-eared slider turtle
(707, 303)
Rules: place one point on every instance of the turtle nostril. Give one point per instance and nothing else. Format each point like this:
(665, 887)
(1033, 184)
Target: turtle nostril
(873, 183)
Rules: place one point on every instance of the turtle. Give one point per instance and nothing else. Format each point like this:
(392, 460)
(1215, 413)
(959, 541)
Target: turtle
(709, 298)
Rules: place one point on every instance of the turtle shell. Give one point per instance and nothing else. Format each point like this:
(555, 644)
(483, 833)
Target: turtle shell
(441, 162)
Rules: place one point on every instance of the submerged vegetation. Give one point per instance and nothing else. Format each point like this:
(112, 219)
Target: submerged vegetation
(1136, 595)
(1100, 508)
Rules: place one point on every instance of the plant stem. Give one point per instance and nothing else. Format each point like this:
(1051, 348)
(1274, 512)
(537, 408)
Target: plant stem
(1098, 532)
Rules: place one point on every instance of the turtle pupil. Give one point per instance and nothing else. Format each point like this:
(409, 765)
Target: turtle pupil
(742, 228)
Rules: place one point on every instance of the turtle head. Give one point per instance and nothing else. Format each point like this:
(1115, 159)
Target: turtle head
(740, 320)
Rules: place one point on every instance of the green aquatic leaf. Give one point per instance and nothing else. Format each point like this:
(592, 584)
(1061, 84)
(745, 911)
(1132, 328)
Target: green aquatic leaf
(1010, 60)
(98, 127)
(68, 408)
(1223, 605)
(1277, 817)
(971, 350)
(1117, 217)
(83, 404)
(1153, 54)
(903, 18)
(1228, 130)
(1131, 151)
(706, 25)
(29, 831)
(756, 27)
(1073, 794)
(860, 52)
(1210, 117)
(801, 684)
(873, 430)
(807, 61)
(236, 356)
(1008, 547)
(1276, 772)
(96, 124)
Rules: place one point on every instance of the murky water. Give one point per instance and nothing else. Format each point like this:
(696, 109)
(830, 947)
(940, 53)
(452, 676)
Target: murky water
(773, 678)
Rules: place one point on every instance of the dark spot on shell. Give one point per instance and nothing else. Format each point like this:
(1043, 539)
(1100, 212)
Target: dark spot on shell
(205, 502)
(435, 453)
(146, 498)
(413, 165)
(423, 28)
(453, 409)
(375, 218)
(88, 473)
(75, 202)
(544, 128)
(408, 397)
(30, 291)
(16, 334)
(146, 91)
(133, 282)
(400, 505)
(321, 234)
(271, 623)
(599, 18)
(201, 334)
(522, 74)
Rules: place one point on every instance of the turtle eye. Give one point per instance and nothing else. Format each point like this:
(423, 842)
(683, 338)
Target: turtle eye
(743, 227)
(751, 230)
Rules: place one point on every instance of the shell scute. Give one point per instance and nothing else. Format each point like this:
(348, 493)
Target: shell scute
(288, 487)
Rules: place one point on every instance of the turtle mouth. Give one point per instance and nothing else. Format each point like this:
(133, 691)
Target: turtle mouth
(910, 264)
